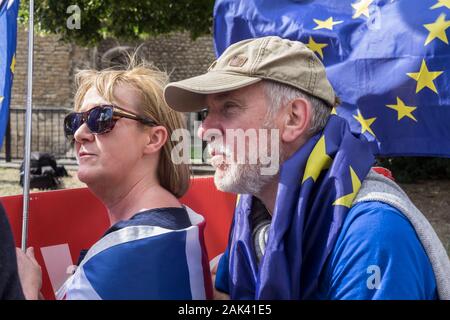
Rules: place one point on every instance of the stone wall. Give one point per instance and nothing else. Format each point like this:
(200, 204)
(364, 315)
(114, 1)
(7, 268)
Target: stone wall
(177, 53)
(54, 62)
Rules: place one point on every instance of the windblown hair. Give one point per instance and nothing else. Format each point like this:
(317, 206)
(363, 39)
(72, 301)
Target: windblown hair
(150, 82)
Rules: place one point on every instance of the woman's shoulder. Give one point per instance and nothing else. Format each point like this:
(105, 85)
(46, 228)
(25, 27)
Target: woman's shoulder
(173, 218)
(146, 257)
(149, 226)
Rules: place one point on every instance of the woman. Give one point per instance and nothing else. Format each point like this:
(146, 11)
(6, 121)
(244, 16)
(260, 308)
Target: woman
(154, 248)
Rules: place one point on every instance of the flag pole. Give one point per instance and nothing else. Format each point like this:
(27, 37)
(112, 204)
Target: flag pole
(27, 155)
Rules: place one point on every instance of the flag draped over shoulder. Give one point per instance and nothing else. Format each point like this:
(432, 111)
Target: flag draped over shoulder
(387, 60)
(8, 39)
(153, 255)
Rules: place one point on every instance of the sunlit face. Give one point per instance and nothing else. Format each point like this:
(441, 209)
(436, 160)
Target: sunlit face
(107, 159)
(245, 109)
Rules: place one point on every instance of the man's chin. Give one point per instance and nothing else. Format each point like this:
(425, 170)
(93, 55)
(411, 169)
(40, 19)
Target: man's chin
(221, 178)
(224, 187)
(228, 179)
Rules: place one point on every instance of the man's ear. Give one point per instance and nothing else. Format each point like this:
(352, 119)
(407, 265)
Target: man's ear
(156, 138)
(297, 120)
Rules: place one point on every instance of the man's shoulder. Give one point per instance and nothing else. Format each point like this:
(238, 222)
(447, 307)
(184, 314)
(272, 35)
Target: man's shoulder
(376, 237)
(375, 218)
(376, 228)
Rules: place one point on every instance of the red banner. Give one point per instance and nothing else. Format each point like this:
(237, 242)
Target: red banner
(63, 222)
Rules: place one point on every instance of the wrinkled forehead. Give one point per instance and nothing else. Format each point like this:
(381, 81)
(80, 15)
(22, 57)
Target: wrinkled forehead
(242, 96)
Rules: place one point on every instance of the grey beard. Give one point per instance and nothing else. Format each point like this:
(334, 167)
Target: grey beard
(242, 179)
(245, 178)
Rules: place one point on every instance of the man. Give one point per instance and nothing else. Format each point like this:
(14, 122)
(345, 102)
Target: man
(312, 230)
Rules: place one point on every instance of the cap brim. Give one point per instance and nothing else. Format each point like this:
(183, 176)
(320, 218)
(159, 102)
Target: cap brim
(189, 95)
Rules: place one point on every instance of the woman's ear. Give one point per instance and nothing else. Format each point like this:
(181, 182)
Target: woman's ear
(156, 138)
(297, 120)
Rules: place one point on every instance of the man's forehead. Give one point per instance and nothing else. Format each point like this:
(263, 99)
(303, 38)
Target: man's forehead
(217, 97)
(239, 95)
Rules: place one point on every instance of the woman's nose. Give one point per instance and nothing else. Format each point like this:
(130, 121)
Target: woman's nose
(83, 134)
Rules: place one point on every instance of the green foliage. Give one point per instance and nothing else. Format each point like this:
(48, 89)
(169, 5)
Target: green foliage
(121, 19)
(417, 168)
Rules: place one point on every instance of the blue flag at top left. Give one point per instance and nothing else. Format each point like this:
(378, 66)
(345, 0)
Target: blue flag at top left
(8, 39)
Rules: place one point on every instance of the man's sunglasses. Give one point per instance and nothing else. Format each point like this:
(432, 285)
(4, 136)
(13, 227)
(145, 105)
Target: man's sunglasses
(100, 119)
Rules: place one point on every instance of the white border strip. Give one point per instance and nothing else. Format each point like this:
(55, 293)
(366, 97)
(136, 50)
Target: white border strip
(195, 266)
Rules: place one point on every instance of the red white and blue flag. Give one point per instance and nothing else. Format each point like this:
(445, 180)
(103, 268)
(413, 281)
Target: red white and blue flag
(142, 261)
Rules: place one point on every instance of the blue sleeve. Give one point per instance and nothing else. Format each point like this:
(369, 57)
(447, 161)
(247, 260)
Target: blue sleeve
(377, 256)
(221, 282)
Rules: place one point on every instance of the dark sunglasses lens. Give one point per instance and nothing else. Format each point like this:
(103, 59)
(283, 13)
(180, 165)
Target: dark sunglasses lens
(100, 119)
(71, 124)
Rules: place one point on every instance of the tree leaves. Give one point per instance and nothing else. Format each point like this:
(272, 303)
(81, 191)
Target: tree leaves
(121, 19)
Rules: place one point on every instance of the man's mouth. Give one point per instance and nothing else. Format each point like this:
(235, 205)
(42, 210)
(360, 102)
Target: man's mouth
(219, 156)
(217, 160)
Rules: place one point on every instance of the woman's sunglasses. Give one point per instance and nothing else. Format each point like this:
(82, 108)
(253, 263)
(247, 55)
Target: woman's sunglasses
(100, 119)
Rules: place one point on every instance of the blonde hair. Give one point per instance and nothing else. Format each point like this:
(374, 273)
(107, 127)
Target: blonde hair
(150, 82)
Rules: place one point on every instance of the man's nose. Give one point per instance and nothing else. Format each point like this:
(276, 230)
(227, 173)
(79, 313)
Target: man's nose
(209, 127)
(201, 131)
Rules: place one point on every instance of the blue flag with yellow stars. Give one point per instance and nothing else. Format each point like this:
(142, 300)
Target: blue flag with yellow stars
(8, 39)
(316, 189)
(388, 61)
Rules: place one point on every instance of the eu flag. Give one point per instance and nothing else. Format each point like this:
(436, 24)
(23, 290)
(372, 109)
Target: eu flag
(8, 38)
(388, 61)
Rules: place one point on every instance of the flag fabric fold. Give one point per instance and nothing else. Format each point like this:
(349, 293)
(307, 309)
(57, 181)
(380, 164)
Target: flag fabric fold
(8, 40)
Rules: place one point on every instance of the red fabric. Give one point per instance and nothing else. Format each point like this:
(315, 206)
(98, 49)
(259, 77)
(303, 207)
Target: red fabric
(77, 218)
(385, 172)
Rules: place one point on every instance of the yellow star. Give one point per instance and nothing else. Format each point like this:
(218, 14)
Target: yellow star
(326, 24)
(333, 111)
(318, 160)
(441, 3)
(347, 200)
(316, 47)
(402, 109)
(13, 63)
(362, 7)
(437, 29)
(365, 123)
(425, 78)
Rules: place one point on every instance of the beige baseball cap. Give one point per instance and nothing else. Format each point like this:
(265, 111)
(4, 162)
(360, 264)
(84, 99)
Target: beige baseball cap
(248, 62)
